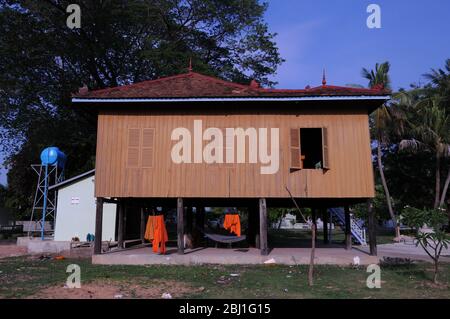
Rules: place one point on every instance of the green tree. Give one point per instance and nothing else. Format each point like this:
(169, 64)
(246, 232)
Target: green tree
(380, 121)
(411, 177)
(440, 81)
(42, 62)
(434, 241)
(3, 191)
(429, 129)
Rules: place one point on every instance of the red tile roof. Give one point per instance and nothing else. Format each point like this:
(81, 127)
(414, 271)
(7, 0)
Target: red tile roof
(195, 85)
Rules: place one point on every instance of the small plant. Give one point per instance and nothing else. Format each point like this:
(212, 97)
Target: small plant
(434, 240)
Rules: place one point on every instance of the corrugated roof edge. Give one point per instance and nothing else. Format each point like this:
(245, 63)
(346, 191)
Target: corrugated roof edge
(229, 99)
(72, 180)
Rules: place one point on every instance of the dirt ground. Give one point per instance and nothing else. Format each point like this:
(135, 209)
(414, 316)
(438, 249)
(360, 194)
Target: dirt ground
(8, 249)
(102, 289)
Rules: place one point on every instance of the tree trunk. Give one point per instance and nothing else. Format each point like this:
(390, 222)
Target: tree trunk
(386, 190)
(444, 191)
(313, 241)
(438, 180)
(436, 271)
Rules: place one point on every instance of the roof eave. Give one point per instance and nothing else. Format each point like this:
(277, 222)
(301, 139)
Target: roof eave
(231, 99)
(73, 180)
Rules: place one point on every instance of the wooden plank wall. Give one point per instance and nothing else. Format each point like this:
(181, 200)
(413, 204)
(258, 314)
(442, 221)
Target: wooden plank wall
(350, 174)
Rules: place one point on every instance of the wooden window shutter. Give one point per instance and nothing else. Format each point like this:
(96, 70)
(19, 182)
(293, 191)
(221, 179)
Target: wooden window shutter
(325, 151)
(296, 162)
(148, 141)
(133, 147)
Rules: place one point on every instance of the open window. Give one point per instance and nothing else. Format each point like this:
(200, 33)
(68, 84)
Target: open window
(309, 148)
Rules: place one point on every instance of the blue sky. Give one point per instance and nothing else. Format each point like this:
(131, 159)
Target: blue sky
(332, 34)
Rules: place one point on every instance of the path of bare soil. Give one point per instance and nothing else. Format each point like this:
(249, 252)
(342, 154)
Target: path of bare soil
(109, 289)
(11, 250)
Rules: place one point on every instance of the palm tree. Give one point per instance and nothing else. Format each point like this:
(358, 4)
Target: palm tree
(380, 77)
(440, 79)
(430, 127)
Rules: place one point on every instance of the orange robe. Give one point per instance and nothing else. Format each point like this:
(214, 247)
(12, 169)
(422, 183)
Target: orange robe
(150, 228)
(160, 234)
(232, 222)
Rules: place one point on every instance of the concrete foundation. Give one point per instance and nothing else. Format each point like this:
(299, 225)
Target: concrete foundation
(50, 247)
(23, 241)
(285, 256)
(37, 246)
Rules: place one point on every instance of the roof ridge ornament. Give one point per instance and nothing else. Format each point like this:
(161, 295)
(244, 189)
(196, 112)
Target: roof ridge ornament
(324, 79)
(254, 84)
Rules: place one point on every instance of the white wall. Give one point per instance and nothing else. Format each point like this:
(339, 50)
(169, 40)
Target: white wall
(75, 216)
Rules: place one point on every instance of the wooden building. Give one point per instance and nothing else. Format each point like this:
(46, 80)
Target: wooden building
(176, 140)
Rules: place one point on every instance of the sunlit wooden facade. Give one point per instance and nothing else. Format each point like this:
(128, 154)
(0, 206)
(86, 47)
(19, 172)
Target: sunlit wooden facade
(328, 165)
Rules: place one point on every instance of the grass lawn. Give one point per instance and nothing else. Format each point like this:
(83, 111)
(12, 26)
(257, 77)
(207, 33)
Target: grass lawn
(22, 277)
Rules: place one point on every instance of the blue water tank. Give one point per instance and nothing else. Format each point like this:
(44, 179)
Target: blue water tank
(53, 156)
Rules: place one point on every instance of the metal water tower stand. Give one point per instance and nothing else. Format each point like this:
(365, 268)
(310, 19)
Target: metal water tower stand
(44, 204)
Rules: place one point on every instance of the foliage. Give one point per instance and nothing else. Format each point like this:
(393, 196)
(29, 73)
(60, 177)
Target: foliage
(429, 132)
(432, 242)
(381, 120)
(42, 62)
(3, 192)
(411, 176)
(415, 143)
(379, 206)
(380, 75)
(440, 82)
(275, 214)
(417, 218)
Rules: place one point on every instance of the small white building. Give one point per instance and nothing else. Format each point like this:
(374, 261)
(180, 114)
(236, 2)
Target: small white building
(75, 210)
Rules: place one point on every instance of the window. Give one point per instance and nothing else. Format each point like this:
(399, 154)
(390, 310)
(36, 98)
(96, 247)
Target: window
(134, 141)
(309, 148)
(148, 141)
(140, 147)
